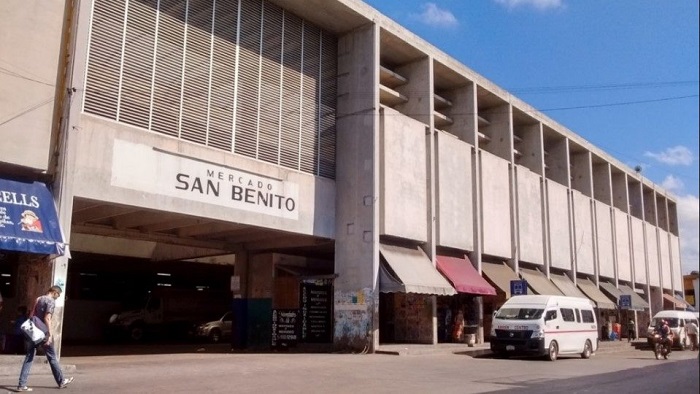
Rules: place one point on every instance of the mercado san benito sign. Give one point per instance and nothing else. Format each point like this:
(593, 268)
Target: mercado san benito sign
(147, 169)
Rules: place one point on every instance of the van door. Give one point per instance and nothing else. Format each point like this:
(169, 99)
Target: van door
(552, 324)
(567, 336)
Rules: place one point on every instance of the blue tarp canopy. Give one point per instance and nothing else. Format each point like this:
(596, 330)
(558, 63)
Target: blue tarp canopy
(28, 219)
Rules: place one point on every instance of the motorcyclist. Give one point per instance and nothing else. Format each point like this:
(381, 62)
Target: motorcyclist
(666, 334)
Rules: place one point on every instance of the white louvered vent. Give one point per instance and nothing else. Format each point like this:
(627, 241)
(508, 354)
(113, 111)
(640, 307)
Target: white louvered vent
(243, 76)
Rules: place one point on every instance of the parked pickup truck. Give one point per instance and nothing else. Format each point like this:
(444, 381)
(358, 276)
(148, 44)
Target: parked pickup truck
(169, 313)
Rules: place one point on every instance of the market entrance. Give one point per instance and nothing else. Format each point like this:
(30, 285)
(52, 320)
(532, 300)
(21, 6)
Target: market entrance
(166, 275)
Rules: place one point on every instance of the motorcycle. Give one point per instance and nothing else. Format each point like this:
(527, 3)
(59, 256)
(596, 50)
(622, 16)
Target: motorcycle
(662, 348)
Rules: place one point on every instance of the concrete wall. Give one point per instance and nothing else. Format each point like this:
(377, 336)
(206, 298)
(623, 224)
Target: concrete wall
(30, 43)
(604, 238)
(652, 255)
(403, 181)
(665, 256)
(260, 272)
(455, 219)
(622, 246)
(583, 234)
(120, 164)
(495, 206)
(559, 233)
(638, 256)
(530, 218)
(676, 264)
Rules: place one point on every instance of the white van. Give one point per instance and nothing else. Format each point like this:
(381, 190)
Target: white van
(545, 325)
(676, 321)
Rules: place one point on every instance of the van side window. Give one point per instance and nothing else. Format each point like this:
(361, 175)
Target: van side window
(587, 316)
(567, 314)
(551, 315)
(578, 316)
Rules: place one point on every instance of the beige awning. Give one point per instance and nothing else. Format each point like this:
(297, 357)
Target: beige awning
(638, 302)
(566, 285)
(409, 270)
(539, 282)
(675, 302)
(593, 292)
(500, 274)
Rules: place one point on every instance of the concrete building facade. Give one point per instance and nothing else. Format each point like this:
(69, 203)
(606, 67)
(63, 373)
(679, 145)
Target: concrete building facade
(317, 140)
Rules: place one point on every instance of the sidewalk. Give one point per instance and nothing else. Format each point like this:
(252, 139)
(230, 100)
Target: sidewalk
(10, 365)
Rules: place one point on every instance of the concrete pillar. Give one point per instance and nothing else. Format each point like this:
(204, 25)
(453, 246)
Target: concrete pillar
(357, 189)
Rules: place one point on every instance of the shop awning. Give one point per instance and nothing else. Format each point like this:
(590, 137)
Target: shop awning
(593, 292)
(539, 282)
(500, 274)
(28, 219)
(463, 275)
(675, 302)
(409, 270)
(566, 285)
(613, 292)
(638, 302)
(688, 306)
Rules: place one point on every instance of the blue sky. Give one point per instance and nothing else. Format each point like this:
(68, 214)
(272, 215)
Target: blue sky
(622, 74)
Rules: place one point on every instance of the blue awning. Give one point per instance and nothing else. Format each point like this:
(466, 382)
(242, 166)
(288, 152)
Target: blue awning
(28, 219)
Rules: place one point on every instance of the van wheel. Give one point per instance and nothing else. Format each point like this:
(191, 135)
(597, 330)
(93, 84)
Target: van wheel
(587, 350)
(553, 351)
(683, 342)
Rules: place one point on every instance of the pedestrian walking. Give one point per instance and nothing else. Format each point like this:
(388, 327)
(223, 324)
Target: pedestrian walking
(691, 329)
(43, 309)
(631, 331)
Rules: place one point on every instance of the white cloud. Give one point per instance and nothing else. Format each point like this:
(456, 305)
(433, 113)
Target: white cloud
(688, 220)
(434, 16)
(672, 184)
(539, 4)
(677, 155)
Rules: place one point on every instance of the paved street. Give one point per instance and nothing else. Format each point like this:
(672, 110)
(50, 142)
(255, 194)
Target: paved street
(205, 371)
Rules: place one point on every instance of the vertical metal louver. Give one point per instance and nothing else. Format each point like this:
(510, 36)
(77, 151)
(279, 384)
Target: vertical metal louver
(195, 94)
(291, 91)
(270, 85)
(248, 97)
(102, 90)
(243, 76)
(167, 86)
(327, 107)
(137, 69)
(223, 75)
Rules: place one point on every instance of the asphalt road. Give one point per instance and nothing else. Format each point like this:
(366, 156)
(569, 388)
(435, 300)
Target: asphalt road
(632, 371)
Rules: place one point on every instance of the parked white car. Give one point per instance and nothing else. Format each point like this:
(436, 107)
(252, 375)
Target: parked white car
(216, 330)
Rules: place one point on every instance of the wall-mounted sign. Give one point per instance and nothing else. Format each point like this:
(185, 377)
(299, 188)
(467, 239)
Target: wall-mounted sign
(147, 169)
(518, 287)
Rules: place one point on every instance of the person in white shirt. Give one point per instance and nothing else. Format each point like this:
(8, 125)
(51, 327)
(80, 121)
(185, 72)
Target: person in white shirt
(691, 330)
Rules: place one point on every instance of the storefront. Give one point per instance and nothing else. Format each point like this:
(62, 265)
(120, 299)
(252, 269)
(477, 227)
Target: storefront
(29, 233)
(459, 316)
(407, 283)
(500, 275)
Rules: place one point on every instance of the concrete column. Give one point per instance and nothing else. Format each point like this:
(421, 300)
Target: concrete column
(357, 189)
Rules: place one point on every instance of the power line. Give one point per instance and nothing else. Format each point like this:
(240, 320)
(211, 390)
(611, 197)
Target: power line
(573, 88)
(17, 75)
(26, 111)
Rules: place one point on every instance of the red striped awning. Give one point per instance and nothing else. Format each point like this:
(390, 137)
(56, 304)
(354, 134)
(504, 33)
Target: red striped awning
(463, 275)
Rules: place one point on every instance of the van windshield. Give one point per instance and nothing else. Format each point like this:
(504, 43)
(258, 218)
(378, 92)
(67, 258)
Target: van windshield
(672, 321)
(519, 313)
